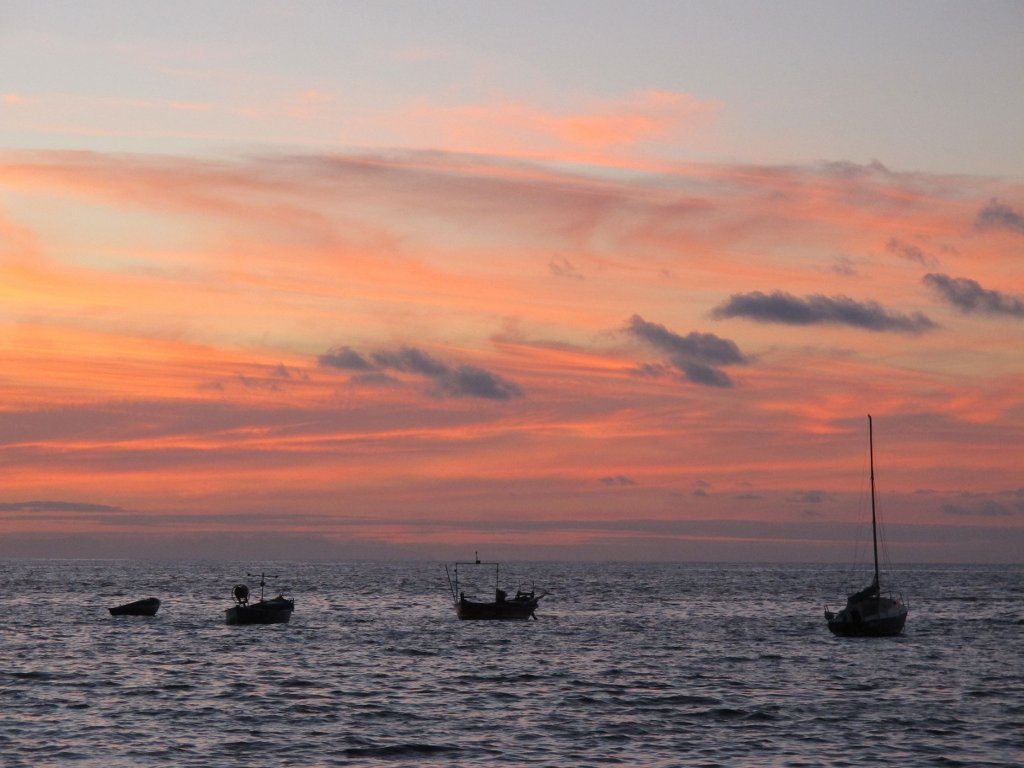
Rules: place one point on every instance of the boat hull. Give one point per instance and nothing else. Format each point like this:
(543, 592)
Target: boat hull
(509, 610)
(147, 607)
(276, 611)
(882, 618)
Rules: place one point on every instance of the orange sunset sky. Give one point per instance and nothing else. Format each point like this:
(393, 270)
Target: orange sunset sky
(574, 280)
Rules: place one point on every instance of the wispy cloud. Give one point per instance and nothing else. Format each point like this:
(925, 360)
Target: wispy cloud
(785, 308)
(968, 296)
(812, 497)
(910, 252)
(55, 506)
(986, 508)
(517, 128)
(617, 480)
(699, 356)
(562, 267)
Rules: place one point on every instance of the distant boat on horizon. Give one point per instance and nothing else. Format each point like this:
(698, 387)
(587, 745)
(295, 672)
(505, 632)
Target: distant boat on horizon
(519, 608)
(868, 613)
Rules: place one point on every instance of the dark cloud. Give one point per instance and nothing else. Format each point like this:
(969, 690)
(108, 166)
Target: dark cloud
(997, 215)
(968, 296)
(55, 506)
(696, 355)
(780, 307)
(812, 497)
(449, 381)
(470, 381)
(617, 480)
(410, 360)
(705, 347)
(345, 358)
(986, 508)
(699, 373)
(910, 253)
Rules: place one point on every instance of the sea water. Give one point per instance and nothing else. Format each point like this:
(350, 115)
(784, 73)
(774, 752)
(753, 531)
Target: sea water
(626, 664)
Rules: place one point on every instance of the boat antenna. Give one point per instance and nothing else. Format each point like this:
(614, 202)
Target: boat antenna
(874, 524)
(262, 582)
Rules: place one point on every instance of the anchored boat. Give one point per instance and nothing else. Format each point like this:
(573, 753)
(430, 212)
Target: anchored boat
(503, 608)
(146, 607)
(868, 613)
(276, 610)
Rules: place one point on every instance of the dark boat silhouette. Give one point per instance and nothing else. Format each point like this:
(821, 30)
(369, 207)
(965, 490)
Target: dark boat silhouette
(868, 613)
(503, 608)
(276, 610)
(146, 607)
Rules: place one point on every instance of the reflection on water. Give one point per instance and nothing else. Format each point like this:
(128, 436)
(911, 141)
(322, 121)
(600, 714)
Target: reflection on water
(654, 665)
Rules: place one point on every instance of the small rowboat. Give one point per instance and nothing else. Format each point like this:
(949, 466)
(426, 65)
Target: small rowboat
(147, 607)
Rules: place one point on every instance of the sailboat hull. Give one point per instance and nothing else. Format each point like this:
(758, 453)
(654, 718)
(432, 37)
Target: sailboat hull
(875, 618)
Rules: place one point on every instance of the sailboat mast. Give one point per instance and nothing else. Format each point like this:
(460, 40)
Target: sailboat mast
(874, 524)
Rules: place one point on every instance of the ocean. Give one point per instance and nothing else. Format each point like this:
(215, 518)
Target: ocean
(627, 664)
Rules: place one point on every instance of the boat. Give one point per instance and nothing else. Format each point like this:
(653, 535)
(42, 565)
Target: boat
(869, 613)
(146, 607)
(276, 610)
(503, 608)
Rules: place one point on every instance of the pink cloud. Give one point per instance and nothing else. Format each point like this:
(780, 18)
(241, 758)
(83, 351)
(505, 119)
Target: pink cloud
(610, 131)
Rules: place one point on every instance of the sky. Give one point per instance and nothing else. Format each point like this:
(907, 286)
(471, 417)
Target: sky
(582, 280)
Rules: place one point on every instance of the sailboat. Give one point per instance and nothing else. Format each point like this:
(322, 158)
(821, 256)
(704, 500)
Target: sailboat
(868, 613)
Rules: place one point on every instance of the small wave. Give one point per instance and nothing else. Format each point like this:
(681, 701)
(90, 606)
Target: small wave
(682, 700)
(33, 675)
(400, 750)
(300, 682)
(735, 714)
(412, 652)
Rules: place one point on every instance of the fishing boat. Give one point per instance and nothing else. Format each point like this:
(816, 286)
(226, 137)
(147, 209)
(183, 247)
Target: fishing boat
(869, 613)
(276, 610)
(146, 607)
(503, 608)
